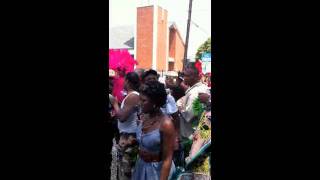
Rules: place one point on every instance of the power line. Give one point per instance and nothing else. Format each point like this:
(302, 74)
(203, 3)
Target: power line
(200, 28)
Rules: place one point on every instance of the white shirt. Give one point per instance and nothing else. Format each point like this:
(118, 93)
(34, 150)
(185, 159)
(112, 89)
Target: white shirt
(162, 80)
(185, 106)
(170, 106)
(130, 125)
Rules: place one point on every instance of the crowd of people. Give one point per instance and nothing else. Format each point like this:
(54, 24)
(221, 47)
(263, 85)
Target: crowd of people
(162, 129)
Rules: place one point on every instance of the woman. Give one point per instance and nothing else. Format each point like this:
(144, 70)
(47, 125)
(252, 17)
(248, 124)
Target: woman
(126, 148)
(156, 135)
(170, 109)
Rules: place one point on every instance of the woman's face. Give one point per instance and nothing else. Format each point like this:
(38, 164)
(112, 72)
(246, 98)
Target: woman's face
(145, 104)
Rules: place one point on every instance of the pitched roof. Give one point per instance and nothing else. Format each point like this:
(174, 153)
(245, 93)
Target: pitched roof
(121, 37)
(173, 25)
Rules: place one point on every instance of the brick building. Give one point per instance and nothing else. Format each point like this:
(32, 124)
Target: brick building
(158, 43)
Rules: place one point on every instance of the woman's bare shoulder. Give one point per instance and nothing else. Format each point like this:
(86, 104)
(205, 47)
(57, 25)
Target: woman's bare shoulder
(166, 124)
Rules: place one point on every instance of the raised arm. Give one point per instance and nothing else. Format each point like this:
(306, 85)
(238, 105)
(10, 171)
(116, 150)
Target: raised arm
(129, 107)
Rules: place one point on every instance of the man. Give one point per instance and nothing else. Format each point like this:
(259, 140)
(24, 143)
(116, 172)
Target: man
(177, 88)
(192, 76)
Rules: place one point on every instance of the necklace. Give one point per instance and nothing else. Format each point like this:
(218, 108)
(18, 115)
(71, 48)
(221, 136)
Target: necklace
(149, 122)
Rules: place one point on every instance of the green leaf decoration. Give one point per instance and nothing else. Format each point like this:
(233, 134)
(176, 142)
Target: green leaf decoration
(197, 107)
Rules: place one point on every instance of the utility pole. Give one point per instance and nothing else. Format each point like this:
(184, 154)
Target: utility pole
(187, 36)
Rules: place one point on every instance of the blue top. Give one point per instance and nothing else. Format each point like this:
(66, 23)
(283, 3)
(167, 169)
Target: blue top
(149, 142)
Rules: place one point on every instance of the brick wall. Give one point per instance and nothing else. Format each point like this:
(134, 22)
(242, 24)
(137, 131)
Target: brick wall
(144, 37)
(172, 43)
(145, 40)
(162, 39)
(176, 49)
(179, 52)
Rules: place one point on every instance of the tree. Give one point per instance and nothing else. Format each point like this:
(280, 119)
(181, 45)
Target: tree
(205, 47)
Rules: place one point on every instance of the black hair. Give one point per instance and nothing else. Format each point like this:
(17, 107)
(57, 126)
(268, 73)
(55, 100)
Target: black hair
(177, 92)
(140, 72)
(192, 66)
(155, 91)
(149, 72)
(133, 80)
(110, 88)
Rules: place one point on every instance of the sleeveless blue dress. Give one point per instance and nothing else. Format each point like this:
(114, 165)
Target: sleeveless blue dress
(151, 143)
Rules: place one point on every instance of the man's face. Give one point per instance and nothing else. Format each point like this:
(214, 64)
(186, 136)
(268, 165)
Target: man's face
(169, 81)
(189, 77)
(150, 77)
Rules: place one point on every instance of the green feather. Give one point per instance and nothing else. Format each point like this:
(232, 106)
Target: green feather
(197, 107)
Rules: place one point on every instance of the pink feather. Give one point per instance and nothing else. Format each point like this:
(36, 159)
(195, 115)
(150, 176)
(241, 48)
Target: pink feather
(120, 61)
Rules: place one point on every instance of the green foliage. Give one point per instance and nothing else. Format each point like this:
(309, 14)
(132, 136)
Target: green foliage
(205, 47)
(197, 107)
(187, 144)
(203, 128)
(202, 165)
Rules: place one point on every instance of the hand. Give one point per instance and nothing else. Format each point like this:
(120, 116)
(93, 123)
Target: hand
(204, 98)
(111, 99)
(184, 86)
(115, 101)
(113, 114)
(195, 136)
(179, 104)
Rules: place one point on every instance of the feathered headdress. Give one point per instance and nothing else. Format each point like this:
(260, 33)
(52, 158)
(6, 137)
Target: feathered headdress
(121, 60)
(198, 65)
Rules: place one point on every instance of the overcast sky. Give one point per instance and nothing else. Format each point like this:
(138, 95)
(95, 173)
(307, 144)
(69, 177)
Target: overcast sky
(123, 12)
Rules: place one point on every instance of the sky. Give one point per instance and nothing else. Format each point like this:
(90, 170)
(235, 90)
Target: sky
(123, 12)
